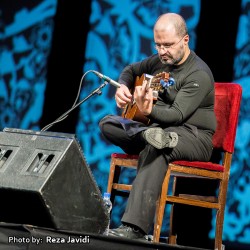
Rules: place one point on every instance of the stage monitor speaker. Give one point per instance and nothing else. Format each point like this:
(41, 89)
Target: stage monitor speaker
(46, 182)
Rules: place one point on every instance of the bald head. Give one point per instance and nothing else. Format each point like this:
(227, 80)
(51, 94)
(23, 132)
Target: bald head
(171, 22)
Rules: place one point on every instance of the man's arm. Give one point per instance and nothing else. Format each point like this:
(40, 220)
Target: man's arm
(187, 101)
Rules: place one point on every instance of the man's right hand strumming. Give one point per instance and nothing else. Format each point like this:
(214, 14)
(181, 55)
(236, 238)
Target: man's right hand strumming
(123, 96)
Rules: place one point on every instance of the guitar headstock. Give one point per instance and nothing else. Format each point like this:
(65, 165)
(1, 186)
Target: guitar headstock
(155, 82)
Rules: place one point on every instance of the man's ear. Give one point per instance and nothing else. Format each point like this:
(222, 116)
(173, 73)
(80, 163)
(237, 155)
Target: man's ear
(186, 39)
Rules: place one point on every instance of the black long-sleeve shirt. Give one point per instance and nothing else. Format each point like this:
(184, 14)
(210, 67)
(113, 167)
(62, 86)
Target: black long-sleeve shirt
(190, 100)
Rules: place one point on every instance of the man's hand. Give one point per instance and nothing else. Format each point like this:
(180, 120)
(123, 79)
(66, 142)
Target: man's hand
(123, 96)
(143, 96)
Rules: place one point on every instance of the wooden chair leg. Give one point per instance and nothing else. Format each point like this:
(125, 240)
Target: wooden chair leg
(111, 176)
(220, 216)
(160, 208)
(114, 175)
(156, 231)
(158, 220)
(172, 236)
(218, 232)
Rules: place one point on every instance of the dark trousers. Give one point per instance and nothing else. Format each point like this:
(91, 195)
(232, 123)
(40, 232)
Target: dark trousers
(193, 144)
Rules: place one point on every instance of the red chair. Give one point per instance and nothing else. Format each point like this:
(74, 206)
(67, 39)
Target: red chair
(227, 107)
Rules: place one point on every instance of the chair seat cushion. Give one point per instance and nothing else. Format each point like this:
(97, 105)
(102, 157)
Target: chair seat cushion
(195, 164)
(124, 156)
(200, 164)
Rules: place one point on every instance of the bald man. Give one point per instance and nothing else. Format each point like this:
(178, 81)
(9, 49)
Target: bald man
(182, 120)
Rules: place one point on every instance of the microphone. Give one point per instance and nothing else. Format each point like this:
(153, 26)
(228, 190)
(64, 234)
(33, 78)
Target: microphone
(107, 79)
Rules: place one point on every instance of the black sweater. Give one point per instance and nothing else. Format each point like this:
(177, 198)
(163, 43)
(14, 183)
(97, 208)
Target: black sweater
(190, 100)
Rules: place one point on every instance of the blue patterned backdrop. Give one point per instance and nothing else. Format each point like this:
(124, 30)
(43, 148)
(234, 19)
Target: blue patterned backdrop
(25, 41)
(120, 33)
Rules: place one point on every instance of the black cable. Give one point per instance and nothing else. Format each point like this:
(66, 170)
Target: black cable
(75, 104)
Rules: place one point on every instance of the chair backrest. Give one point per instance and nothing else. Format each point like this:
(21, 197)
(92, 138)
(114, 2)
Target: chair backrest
(227, 107)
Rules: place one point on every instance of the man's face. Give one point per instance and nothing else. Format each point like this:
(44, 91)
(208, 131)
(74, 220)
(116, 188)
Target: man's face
(170, 47)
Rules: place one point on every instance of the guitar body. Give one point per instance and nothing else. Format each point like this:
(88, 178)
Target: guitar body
(131, 111)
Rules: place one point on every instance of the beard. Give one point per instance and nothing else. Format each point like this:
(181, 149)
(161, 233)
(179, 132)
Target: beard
(172, 60)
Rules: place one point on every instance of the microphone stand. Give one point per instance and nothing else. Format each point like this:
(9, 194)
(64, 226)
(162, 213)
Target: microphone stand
(97, 91)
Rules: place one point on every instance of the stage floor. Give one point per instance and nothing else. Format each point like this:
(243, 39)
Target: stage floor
(26, 237)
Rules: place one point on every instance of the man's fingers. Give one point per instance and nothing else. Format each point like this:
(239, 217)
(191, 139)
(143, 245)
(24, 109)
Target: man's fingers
(144, 87)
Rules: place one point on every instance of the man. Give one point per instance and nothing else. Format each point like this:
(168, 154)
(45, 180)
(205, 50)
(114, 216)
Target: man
(182, 120)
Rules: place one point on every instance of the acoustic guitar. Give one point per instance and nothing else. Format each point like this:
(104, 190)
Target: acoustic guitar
(131, 111)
